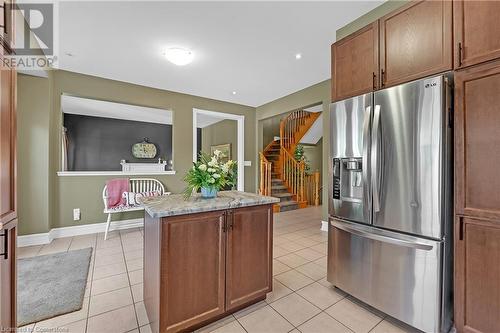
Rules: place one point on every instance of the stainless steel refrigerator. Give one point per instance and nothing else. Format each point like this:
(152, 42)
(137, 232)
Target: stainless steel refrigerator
(390, 201)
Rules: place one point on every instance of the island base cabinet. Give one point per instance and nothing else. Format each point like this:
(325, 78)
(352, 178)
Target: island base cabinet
(477, 275)
(201, 267)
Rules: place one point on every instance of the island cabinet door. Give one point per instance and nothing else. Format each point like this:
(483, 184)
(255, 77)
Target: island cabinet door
(192, 270)
(249, 255)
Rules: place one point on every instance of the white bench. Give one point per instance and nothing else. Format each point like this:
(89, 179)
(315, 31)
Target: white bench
(137, 185)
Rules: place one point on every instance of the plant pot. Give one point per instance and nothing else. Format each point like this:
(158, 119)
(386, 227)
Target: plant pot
(207, 192)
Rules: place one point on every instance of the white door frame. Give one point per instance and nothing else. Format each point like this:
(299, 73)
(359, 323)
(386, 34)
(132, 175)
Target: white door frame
(240, 144)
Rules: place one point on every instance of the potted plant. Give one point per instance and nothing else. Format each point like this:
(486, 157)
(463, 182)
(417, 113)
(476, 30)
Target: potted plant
(210, 175)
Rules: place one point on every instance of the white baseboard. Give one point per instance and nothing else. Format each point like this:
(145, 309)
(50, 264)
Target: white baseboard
(324, 226)
(77, 230)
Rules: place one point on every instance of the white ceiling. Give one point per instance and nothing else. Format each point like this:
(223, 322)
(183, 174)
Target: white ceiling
(97, 108)
(247, 47)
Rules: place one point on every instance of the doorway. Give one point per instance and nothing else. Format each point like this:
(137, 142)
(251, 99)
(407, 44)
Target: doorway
(221, 129)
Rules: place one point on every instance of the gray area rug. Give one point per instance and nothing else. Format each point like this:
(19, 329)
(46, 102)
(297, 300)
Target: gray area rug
(51, 285)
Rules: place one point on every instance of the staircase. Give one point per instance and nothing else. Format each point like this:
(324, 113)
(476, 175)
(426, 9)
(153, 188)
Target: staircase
(278, 188)
(281, 175)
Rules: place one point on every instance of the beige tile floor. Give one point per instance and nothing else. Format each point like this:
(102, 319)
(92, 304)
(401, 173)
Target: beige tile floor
(302, 300)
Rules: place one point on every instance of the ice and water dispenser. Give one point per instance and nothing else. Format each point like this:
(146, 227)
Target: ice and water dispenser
(348, 179)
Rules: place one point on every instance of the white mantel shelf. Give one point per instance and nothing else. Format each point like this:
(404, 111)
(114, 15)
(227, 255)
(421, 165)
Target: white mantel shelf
(113, 173)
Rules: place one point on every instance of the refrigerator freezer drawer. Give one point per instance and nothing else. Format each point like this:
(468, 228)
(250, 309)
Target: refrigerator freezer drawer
(397, 274)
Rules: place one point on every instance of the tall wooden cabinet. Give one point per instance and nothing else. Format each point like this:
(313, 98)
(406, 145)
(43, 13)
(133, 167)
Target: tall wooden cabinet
(8, 198)
(476, 30)
(477, 198)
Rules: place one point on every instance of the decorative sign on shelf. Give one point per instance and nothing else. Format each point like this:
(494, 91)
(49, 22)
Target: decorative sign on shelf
(144, 149)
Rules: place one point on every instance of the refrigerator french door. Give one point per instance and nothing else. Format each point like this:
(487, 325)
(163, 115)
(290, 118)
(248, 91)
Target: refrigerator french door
(397, 257)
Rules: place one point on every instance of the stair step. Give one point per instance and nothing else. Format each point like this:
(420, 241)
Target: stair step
(285, 196)
(288, 205)
(278, 187)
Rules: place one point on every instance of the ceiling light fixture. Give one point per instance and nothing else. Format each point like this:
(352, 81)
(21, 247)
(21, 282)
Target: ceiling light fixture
(298, 56)
(234, 92)
(179, 56)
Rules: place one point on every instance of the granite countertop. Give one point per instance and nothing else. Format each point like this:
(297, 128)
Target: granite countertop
(176, 204)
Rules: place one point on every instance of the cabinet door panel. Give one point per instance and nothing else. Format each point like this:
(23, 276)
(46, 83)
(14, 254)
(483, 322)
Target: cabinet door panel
(476, 32)
(416, 41)
(477, 140)
(477, 276)
(355, 63)
(7, 145)
(8, 276)
(193, 265)
(249, 255)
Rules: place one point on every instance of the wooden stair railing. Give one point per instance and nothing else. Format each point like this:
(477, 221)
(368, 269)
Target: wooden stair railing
(294, 126)
(293, 174)
(312, 188)
(265, 175)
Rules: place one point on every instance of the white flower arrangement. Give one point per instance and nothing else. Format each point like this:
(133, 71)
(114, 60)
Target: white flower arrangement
(209, 172)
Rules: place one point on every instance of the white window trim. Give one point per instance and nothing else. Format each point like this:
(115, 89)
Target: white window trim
(240, 145)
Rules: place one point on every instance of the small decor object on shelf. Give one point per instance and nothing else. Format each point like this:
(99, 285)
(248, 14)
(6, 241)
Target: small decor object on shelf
(209, 174)
(225, 151)
(144, 149)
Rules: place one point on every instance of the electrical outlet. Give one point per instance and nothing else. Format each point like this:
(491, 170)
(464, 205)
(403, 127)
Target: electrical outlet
(76, 214)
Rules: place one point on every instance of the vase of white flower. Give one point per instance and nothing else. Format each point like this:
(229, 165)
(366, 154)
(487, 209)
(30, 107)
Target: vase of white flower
(210, 175)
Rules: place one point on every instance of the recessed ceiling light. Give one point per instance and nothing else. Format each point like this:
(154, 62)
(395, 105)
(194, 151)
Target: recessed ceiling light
(179, 56)
(298, 56)
(234, 92)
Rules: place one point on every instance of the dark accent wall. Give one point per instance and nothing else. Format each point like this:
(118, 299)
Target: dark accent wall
(198, 141)
(99, 144)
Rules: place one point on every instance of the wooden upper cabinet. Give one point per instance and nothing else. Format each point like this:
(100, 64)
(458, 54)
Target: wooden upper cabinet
(7, 144)
(355, 63)
(416, 41)
(192, 270)
(477, 31)
(249, 255)
(477, 140)
(477, 276)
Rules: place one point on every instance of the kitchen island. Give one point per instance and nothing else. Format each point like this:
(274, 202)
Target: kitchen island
(205, 258)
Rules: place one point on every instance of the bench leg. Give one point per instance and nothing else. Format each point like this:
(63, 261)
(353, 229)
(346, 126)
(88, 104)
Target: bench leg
(107, 227)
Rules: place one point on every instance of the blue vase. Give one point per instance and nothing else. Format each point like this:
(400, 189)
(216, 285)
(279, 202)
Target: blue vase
(207, 192)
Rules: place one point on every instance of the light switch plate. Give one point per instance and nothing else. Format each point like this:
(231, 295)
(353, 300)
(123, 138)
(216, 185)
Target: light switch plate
(247, 163)
(76, 214)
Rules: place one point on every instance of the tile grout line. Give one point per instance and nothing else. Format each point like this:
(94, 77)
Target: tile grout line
(91, 283)
(129, 284)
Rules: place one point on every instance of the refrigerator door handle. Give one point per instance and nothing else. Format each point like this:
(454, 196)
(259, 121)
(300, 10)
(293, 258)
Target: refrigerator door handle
(365, 161)
(379, 236)
(375, 152)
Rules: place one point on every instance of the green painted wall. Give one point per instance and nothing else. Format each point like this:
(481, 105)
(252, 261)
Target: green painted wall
(33, 116)
(223, 132)
(56, 196)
